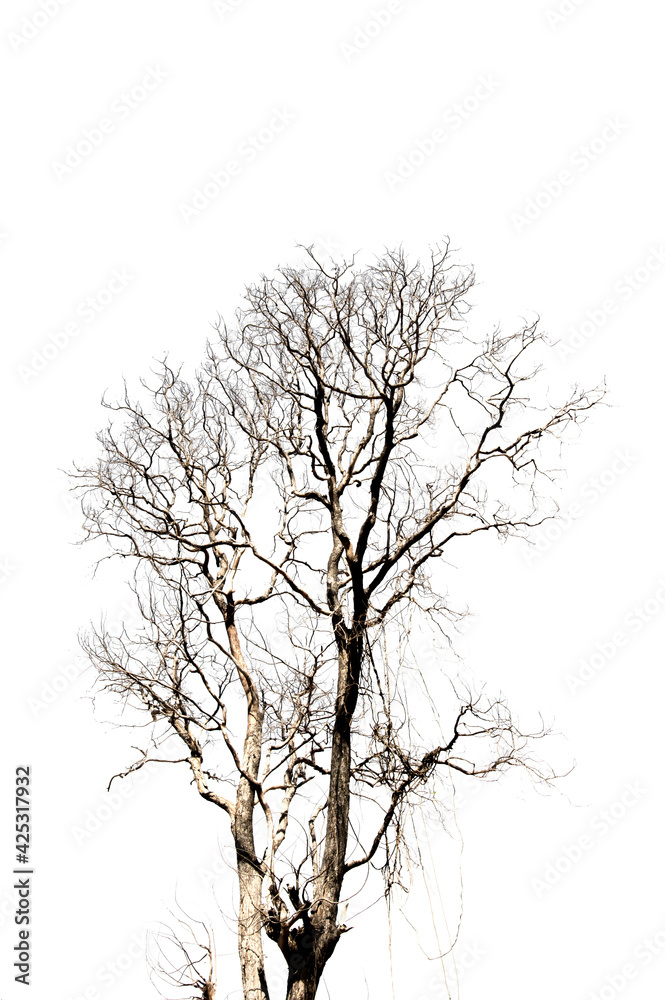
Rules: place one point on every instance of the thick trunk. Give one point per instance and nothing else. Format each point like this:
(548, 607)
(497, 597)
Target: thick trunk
(250, 871)
(250, 881)
(302, 988)
(337, 826)
(250, 947)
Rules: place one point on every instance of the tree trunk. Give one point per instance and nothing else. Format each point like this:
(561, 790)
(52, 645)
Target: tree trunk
(302, 985)
(250, 873)
(329, 883)
(250, 946)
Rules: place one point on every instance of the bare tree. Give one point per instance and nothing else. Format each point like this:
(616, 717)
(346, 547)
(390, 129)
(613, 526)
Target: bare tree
(285, 509)
(185, 959)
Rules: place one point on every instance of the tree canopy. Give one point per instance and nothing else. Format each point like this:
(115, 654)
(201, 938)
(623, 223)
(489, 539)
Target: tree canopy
(284, 507)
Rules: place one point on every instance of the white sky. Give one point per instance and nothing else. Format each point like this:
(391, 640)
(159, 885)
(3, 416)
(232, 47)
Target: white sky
(549, 181)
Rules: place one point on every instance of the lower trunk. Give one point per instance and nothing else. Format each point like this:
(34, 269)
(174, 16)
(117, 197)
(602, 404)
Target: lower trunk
(302, 986)
(250, 947)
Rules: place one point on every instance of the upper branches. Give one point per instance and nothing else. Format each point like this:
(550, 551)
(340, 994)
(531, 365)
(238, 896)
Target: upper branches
(341, 375)
(311, 424)
(285, 504)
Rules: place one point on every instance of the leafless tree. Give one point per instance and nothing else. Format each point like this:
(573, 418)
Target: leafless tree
(285, 508)
(185, 959)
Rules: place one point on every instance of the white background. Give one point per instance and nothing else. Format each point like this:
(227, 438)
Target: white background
(358, 105)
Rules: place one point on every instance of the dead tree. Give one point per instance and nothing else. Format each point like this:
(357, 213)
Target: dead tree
(184, 958)
(284, 513)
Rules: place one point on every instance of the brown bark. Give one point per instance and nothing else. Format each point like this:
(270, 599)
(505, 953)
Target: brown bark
(324, 376)
(250, 870)
(250, 946)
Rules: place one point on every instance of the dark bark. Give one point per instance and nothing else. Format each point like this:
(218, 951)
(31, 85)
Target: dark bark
(302, 985)
(331, 375)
